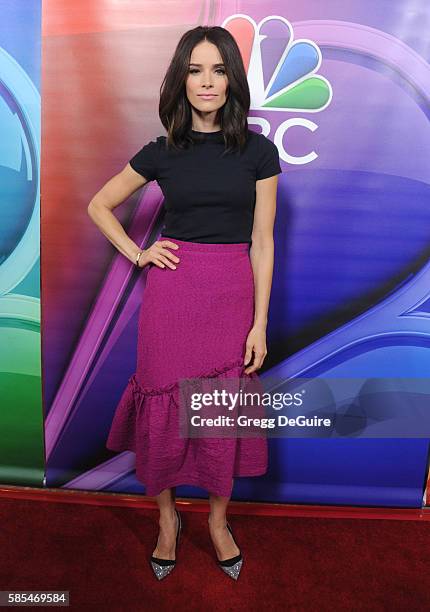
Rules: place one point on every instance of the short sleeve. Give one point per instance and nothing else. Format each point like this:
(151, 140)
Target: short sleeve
(145, 162)
(268, 161)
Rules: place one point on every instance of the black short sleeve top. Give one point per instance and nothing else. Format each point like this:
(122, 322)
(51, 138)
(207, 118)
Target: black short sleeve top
(207, 197)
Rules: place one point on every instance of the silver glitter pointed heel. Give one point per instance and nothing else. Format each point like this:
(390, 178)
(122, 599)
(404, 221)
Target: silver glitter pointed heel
(163, 567)
(233, 565)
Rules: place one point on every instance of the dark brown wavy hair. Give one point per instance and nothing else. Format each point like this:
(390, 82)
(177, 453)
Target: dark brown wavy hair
(174, 106)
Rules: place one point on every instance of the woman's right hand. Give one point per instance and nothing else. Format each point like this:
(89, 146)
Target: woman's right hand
(159, 255)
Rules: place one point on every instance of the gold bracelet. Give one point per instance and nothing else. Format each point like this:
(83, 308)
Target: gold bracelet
(137, 258)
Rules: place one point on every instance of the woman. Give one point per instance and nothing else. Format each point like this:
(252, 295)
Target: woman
(204, 312)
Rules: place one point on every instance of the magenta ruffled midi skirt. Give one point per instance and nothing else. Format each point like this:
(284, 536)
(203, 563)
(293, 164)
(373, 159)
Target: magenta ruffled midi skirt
(193, 323)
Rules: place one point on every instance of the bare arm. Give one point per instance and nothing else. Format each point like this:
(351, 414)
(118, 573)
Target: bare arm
(262, 248)
(112, 194)
(262, 259)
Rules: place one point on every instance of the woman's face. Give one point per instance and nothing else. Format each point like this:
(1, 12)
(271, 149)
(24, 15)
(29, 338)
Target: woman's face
(206, 75)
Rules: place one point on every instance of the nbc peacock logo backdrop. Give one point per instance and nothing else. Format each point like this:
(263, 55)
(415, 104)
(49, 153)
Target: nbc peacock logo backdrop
(282, 72)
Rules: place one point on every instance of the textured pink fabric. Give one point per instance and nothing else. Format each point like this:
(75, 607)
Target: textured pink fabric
(193, 322)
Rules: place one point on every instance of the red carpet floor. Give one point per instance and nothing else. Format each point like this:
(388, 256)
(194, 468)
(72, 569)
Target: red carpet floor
(100, 554)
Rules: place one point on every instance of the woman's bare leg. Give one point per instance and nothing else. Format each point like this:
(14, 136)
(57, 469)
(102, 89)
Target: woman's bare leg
(167, 522)
(223, 542)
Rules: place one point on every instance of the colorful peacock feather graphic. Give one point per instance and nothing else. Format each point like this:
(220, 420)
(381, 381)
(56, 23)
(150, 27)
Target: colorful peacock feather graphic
(281, 71)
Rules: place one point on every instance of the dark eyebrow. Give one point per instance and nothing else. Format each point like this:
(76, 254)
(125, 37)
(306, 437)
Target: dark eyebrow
(194, 64)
